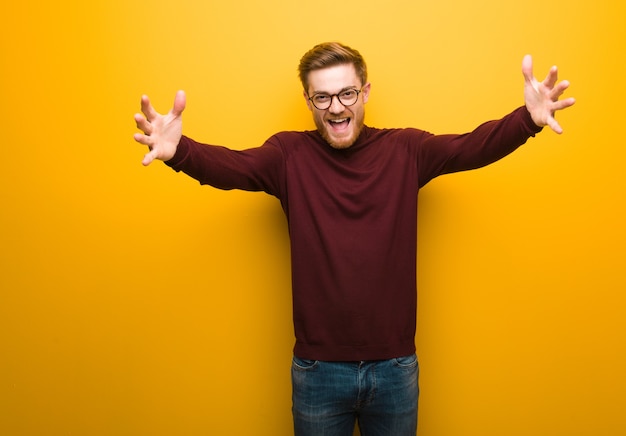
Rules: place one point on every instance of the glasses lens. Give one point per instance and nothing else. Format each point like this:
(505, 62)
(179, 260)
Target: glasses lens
(348, 97)
(322, 101)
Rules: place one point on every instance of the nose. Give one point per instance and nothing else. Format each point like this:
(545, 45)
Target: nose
(335, 105)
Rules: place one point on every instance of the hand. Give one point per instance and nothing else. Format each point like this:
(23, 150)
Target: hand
(542, 98)
(161, 133)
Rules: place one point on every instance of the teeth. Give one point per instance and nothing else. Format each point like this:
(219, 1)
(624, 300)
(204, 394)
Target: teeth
(338, 121)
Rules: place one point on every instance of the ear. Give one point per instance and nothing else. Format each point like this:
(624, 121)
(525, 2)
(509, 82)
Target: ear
(306, 99)
(366, 92)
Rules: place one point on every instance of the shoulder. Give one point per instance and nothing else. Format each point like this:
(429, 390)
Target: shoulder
(394, 136)
(293, 143)
(293, 137)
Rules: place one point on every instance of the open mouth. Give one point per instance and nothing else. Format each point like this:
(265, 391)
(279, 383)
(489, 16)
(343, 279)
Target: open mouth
(339, 124)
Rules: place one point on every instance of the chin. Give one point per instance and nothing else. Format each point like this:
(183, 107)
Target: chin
(342, 142)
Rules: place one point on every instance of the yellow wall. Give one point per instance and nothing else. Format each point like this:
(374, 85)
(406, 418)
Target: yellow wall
(135, 302)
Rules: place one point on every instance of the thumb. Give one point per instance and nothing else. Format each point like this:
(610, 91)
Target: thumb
(527, 68)
(180, 101)
(149, 157)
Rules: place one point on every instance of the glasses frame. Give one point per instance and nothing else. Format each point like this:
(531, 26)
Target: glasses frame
(358, 92)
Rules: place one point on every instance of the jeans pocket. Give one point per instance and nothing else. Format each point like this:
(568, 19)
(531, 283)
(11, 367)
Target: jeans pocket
(406, 361)
(303, 364)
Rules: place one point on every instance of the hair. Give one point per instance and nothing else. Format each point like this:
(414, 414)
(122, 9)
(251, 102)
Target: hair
(330, 54)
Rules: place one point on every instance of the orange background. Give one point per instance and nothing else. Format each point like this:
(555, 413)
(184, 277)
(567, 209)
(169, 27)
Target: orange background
(135, 302)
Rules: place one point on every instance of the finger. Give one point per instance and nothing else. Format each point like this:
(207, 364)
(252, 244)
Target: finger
(149, 157)
(551, 78)
(527, 68)
(180, 101)
(559, 89)
(562, 104)
(147, 108)
(143, 139)
(554, 125)
(143, 124)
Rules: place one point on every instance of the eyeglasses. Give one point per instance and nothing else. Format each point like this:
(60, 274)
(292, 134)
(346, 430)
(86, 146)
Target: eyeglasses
(347, 97)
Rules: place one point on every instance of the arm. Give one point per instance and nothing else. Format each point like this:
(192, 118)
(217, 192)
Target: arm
(489, 142)
(542, 98)
(493, 140)
(161, 133)
(253, 170)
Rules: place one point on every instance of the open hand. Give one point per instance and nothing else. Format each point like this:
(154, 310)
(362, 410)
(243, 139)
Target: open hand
(542, 98)
(161, 133)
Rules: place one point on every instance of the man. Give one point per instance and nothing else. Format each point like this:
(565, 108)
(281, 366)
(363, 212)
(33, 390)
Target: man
(349, 192)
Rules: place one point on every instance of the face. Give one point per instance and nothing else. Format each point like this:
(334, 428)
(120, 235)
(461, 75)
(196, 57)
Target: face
(339, 125)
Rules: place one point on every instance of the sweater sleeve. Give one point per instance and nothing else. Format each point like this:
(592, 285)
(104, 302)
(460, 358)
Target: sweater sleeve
(255, 169)
(489, 142)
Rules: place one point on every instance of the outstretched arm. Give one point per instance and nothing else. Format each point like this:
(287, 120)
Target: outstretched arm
(161, 133)
(542, 98)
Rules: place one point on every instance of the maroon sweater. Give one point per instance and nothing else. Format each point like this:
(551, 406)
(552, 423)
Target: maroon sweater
(352, 217)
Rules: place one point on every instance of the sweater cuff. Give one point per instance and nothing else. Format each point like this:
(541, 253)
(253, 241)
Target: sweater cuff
(182, 150)
(534, 128)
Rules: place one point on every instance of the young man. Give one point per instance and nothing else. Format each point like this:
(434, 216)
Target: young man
(349, 192)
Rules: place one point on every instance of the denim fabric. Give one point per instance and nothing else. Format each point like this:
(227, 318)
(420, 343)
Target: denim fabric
(330, 397)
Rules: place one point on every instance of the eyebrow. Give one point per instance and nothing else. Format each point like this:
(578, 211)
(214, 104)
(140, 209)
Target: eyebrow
(353, 87)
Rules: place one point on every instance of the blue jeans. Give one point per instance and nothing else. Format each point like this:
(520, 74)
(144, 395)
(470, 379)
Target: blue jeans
(379, 395)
